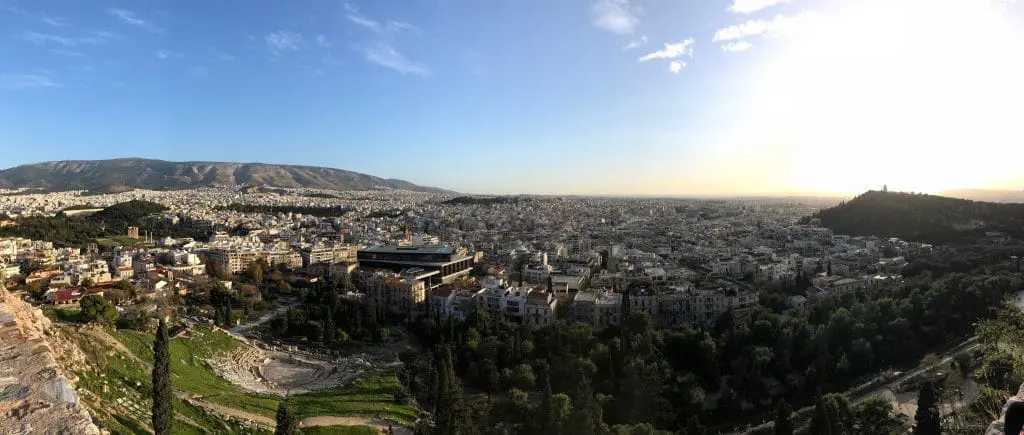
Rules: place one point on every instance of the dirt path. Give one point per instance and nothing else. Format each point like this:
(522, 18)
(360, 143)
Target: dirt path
(102, 336)
(221, 409)
(381, 425)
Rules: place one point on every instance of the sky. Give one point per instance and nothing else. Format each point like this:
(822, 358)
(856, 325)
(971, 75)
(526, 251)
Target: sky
(619, 97)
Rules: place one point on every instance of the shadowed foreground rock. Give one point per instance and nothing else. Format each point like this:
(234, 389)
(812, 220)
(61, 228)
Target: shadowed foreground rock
(35, 395)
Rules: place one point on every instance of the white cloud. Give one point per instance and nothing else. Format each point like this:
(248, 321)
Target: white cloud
(18, 82)
(671, 51)
(733, 47)
(635, 43)
(616, 16)
(129, 17)
(386, 56)
(675, 66)
(283, 41)
(167, 54)
(70, 53)
(47, 38)
(322, 41)
(376, 26)
(748, 6)
(54, 21)
(781, 25)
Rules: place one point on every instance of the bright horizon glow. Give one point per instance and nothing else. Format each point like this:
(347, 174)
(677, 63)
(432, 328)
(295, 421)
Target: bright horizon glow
(601, 97)
(921, 95)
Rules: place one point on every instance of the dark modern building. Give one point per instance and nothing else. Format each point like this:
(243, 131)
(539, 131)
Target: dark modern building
(442, 259)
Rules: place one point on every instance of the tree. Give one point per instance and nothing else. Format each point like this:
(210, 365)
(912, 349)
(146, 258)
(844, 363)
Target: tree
(127, 287)
(693, 426)
(286, 424)
(783, 419)
(95, 308)
(876, 416)
(820, 424)
(523, 378)
(927, 417)
(86, 283)
(254, 273)
(163, 414)
(447, 416)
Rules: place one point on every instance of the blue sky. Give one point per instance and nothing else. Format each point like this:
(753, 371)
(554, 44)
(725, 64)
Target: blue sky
(575, 96)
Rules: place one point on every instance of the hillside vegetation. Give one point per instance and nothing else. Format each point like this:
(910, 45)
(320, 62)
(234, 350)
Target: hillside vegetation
(112, 221)
(920, 217)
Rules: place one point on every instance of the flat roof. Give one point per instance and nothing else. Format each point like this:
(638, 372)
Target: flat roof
(395, 249)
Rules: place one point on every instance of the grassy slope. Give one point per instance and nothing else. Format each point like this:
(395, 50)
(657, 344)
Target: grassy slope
(373, 397)
(340, 430)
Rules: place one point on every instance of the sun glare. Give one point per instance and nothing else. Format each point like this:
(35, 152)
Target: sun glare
(919, 95)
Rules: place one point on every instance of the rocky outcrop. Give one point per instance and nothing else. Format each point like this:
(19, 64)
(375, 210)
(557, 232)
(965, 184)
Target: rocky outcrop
(1012, 415)
(35, 394)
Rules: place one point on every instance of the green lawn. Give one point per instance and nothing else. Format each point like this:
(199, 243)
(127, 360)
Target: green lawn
(61, 314)
(374, 397)
(340, 430)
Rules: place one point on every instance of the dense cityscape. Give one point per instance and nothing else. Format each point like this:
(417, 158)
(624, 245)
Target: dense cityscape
(550, 314)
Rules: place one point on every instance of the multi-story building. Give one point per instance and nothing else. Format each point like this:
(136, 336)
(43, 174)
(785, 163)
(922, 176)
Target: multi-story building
(397, 292)
(236, 260)
(442, 259)
(600, 308)
(540, 309)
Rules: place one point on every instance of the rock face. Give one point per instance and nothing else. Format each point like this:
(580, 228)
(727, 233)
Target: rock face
(1012, 418)
(35, 395)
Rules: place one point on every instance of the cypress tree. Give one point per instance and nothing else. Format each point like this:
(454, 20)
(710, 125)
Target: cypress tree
(820, 424)
(927, 417)
(449, 396)
(286, 424)
(693, 426)
(546, 417)
(162, 412)
(783, 419)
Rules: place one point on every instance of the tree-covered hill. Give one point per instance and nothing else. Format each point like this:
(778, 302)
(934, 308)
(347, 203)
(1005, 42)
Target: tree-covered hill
(920, 217)
(110, 222)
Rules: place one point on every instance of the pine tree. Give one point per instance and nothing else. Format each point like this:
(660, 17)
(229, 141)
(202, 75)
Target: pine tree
(927, 417)
(783, 419)
(329, 327)
(162, 412)
(286, 424)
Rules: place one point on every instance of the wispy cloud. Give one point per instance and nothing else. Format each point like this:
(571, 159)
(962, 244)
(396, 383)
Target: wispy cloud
(54, 21)
(70, 53)
(386, 56)
(748, 6)
(322, 41)
(96, 38)
(282, 41)
(221, 55)
(675, 66)
(671, 51)
(781, 25)
(18, 82)
(733, 47)
(376, 26)
(131, 18)
(616, 16)
(636, 43)
(167, 54)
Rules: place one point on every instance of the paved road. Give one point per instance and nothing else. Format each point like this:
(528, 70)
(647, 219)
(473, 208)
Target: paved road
(945, 358)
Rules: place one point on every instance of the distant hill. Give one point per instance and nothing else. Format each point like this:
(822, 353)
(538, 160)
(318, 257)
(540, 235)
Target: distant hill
(987, 195)
(123, 174)
(919, 217)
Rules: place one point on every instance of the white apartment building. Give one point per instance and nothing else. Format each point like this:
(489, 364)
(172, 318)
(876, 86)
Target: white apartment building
(600, 308)
(540, 309)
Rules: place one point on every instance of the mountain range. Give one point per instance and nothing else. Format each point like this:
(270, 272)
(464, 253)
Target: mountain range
(133, 173)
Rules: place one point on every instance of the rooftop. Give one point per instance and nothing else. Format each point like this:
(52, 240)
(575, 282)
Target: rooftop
(394, 249)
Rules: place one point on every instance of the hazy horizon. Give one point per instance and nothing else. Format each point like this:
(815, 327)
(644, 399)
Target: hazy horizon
(588, 97)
